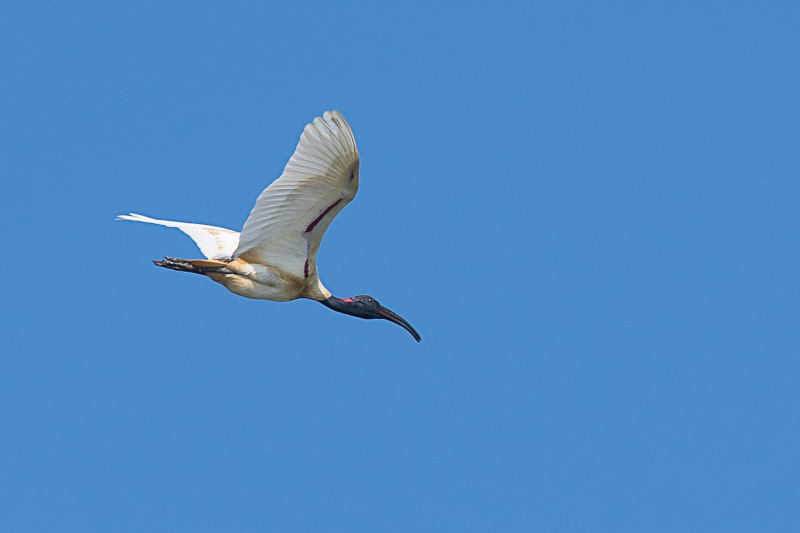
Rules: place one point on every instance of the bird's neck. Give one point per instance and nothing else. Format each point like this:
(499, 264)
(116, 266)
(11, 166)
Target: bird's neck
(341, 305)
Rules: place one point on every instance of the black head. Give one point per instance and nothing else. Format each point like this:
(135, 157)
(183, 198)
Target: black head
(364, 306)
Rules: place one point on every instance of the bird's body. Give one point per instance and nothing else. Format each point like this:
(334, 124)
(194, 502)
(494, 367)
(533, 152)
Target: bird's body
(275, 256)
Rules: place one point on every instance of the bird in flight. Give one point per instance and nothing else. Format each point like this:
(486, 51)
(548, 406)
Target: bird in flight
(275, 256)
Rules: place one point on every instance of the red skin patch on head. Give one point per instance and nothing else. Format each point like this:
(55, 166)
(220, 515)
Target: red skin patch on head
(348, 300)
(316, 220)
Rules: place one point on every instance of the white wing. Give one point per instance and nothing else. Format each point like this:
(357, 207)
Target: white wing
(290, 217)
(214, 242)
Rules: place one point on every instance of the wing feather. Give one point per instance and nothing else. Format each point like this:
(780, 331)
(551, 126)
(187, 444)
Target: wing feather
(214, 242)
(290, 217)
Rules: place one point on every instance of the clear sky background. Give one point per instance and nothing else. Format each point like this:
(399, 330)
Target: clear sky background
(589, 210)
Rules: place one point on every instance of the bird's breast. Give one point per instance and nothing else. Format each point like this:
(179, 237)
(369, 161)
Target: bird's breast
(260, 282)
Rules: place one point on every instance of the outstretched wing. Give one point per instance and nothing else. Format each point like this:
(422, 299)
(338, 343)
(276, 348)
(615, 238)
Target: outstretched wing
(290, 217)
(214, 242)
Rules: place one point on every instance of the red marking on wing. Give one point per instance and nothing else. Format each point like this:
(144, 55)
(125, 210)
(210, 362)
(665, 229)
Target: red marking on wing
(351, 175)
(305, 269)
(316, 220)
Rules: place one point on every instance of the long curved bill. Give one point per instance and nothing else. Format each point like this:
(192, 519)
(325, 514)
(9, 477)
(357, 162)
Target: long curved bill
(400, 321)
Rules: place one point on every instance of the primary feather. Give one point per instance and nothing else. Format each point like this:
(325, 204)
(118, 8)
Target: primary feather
(291, 216)
(214, 242)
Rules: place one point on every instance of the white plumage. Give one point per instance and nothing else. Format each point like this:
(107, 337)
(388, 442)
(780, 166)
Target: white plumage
(214, 242)
(322, 172)
(275, 256)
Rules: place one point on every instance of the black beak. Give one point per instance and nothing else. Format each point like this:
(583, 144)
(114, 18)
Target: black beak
(400, 321)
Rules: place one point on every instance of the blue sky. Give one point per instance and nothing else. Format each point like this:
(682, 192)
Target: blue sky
(588, 210)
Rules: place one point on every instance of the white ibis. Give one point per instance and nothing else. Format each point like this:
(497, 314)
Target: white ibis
(275, 255)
